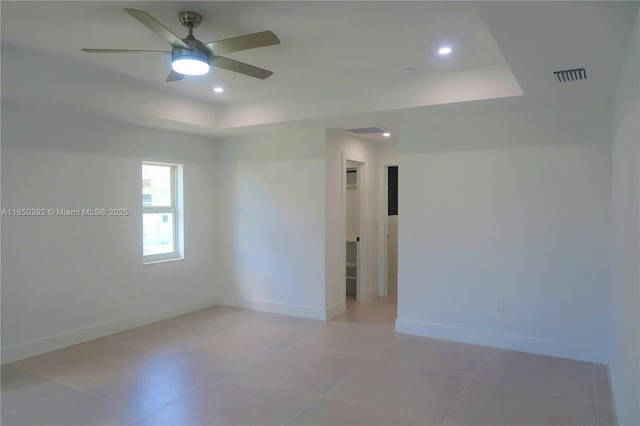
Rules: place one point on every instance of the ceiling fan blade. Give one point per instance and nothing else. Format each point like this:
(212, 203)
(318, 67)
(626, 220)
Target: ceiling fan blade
(241, 67)
(155, 26)
(174, 76)
(122, 51)
(249, 41)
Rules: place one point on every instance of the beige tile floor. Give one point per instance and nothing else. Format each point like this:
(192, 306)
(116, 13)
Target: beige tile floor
(235, 367)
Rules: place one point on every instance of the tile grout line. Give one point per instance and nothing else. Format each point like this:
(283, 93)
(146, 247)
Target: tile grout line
(74, 388)
(465, 387)
(430, 370)
(304, 410)
(30, 403)
(300, 340)
(347, 377)
(346, 352)
(83, 391)
(530, 389)
(366, 407)
(70, 388)
(357, 369)
(526, 387)
(61, 383)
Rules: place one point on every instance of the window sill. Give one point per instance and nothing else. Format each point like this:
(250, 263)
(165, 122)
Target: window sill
(172, 259)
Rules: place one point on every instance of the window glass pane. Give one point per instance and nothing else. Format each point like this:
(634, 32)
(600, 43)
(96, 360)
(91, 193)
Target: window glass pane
(157, 233)
(156, 186)
(392, 195)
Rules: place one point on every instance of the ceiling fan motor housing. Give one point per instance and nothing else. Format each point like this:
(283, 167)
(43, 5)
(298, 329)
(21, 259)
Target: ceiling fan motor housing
(190, 19)
(193, 53)
(197, 53)
(196, 50)
(189, 56)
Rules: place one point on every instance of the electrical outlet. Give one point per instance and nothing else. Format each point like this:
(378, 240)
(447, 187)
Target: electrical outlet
(263, 278)
(500, 306)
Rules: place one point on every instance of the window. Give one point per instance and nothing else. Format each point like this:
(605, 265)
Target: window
(392, 194)
(160, 212)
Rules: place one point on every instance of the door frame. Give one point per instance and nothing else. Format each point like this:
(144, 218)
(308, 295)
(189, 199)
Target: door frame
(383, 284)
(361, 268)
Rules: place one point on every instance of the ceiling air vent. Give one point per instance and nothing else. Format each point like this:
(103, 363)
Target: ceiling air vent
(574, 74)
(367, 130)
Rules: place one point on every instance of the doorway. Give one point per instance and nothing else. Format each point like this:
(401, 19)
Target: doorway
(368, 306)
(354, 281)
(392, 233)
(380, 310)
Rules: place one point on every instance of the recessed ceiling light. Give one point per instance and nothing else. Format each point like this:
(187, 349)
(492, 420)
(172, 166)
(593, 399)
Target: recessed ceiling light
(386, 134)
(218, 89)
(444, 51)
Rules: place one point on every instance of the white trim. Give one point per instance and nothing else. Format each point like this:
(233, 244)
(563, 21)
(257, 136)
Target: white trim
(150, 259)
(361, 290)
(171, 259)
(383, 285)
(343, 226)
(496, 339)
(275, 307)
(361, 245)
(72, 337)
(175, 209)
(335, 310)
(382, 225)
(180, 210)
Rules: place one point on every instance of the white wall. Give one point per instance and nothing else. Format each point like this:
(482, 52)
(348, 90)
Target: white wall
(271, 229)
(624, 360)
(69, 279)
(340, 147)
(507, 205)
(389, 154)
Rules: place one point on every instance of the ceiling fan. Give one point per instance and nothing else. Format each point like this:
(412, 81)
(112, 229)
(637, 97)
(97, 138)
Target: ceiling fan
(189, 56)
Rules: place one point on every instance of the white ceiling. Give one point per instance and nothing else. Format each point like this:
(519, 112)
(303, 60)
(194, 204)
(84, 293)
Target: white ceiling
(336, 59)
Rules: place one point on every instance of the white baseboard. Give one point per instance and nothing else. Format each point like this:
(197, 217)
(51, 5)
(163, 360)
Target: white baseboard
(500, 340)
(72, 337)
(335, 310)
(274, 307)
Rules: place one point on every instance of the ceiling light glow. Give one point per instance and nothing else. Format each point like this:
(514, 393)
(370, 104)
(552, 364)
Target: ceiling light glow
(218, 89)
(445, 51)
(386, 134)
(189, 62)
(190, 66)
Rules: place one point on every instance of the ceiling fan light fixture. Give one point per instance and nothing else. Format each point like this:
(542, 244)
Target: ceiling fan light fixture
(189, 62)
(189, 56)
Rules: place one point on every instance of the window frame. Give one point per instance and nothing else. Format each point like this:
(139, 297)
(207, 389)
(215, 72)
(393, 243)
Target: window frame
(173, 209)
